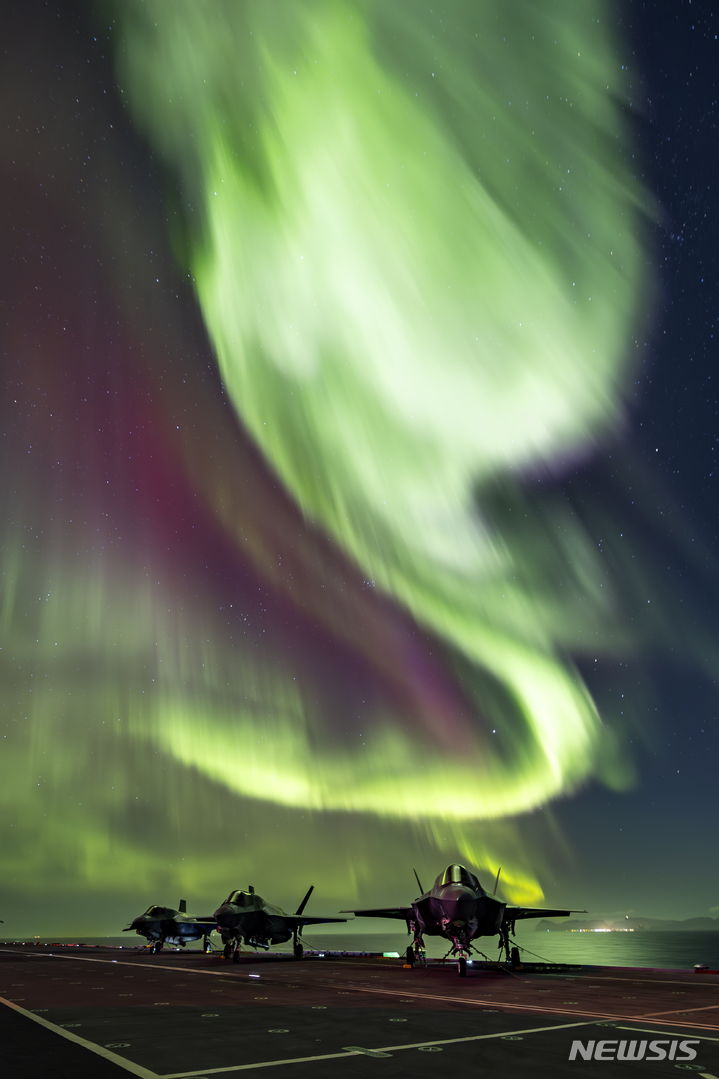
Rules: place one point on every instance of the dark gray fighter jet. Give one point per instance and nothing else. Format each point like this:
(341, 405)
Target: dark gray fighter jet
(458, 908)
(163, 925)
(246, 916)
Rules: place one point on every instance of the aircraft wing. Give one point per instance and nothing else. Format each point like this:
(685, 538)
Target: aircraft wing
(512, 914)
(296, 920)
(382, 912)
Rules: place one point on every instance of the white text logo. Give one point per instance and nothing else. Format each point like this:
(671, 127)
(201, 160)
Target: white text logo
(624, 1049)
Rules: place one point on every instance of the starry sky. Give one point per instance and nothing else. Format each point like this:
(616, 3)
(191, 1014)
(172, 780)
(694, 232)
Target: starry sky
(359, 428)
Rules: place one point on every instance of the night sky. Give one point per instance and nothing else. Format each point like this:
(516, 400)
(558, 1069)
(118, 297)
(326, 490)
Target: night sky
(360, 439)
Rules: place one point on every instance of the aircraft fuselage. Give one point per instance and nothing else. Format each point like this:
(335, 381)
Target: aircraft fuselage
(455, 911)
(254, 927)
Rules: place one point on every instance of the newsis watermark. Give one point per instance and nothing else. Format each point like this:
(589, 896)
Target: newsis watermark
(678, 1049)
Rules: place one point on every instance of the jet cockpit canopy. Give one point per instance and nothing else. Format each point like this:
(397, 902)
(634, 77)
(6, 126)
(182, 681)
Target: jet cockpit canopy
(457, 874)
(241, 898)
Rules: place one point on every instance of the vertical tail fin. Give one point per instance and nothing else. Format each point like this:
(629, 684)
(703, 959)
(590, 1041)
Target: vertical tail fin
(303, 904)
(496, 882)
(182, 906)
(419, 882)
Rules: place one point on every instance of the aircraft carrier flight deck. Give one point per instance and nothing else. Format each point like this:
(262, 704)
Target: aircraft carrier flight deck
(98, 1013)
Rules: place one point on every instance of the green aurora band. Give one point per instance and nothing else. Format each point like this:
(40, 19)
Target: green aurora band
(418, 259)
(416, 247)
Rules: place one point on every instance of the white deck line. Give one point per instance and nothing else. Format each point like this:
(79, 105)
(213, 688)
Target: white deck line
(118, 962)
(667, 1033)
(378, 1048)
(93, 1047)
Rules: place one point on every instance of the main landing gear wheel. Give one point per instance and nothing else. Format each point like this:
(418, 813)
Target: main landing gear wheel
(236, 955)
(462, 967)
(410, 954)
(157, 947)
(298, 950)
(227, 951)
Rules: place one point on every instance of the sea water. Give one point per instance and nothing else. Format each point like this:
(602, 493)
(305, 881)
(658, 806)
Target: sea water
(645, 948)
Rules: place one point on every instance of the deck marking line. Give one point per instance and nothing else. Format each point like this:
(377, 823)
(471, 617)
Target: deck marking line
(99, 1050)
(460, 1000)
(260, 1064)
(481, 1003)
(629, 981)
(705, 1008)
(135, 966)
(380, 1049)
(521, 1007)
(545, 974)
(646, 1030)
(365, 1052)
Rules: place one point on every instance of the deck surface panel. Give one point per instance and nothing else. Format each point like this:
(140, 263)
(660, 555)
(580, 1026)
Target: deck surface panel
(96, 1013)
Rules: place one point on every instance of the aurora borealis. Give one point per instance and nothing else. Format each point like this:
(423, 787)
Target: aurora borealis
(321, 353)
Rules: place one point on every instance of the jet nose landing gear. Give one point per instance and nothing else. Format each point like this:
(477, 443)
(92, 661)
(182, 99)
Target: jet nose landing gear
(460, 950)
(232, 950)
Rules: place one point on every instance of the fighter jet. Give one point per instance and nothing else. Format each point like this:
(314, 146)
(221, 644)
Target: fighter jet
(245, 916)
(458, 908)
(164, 925)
